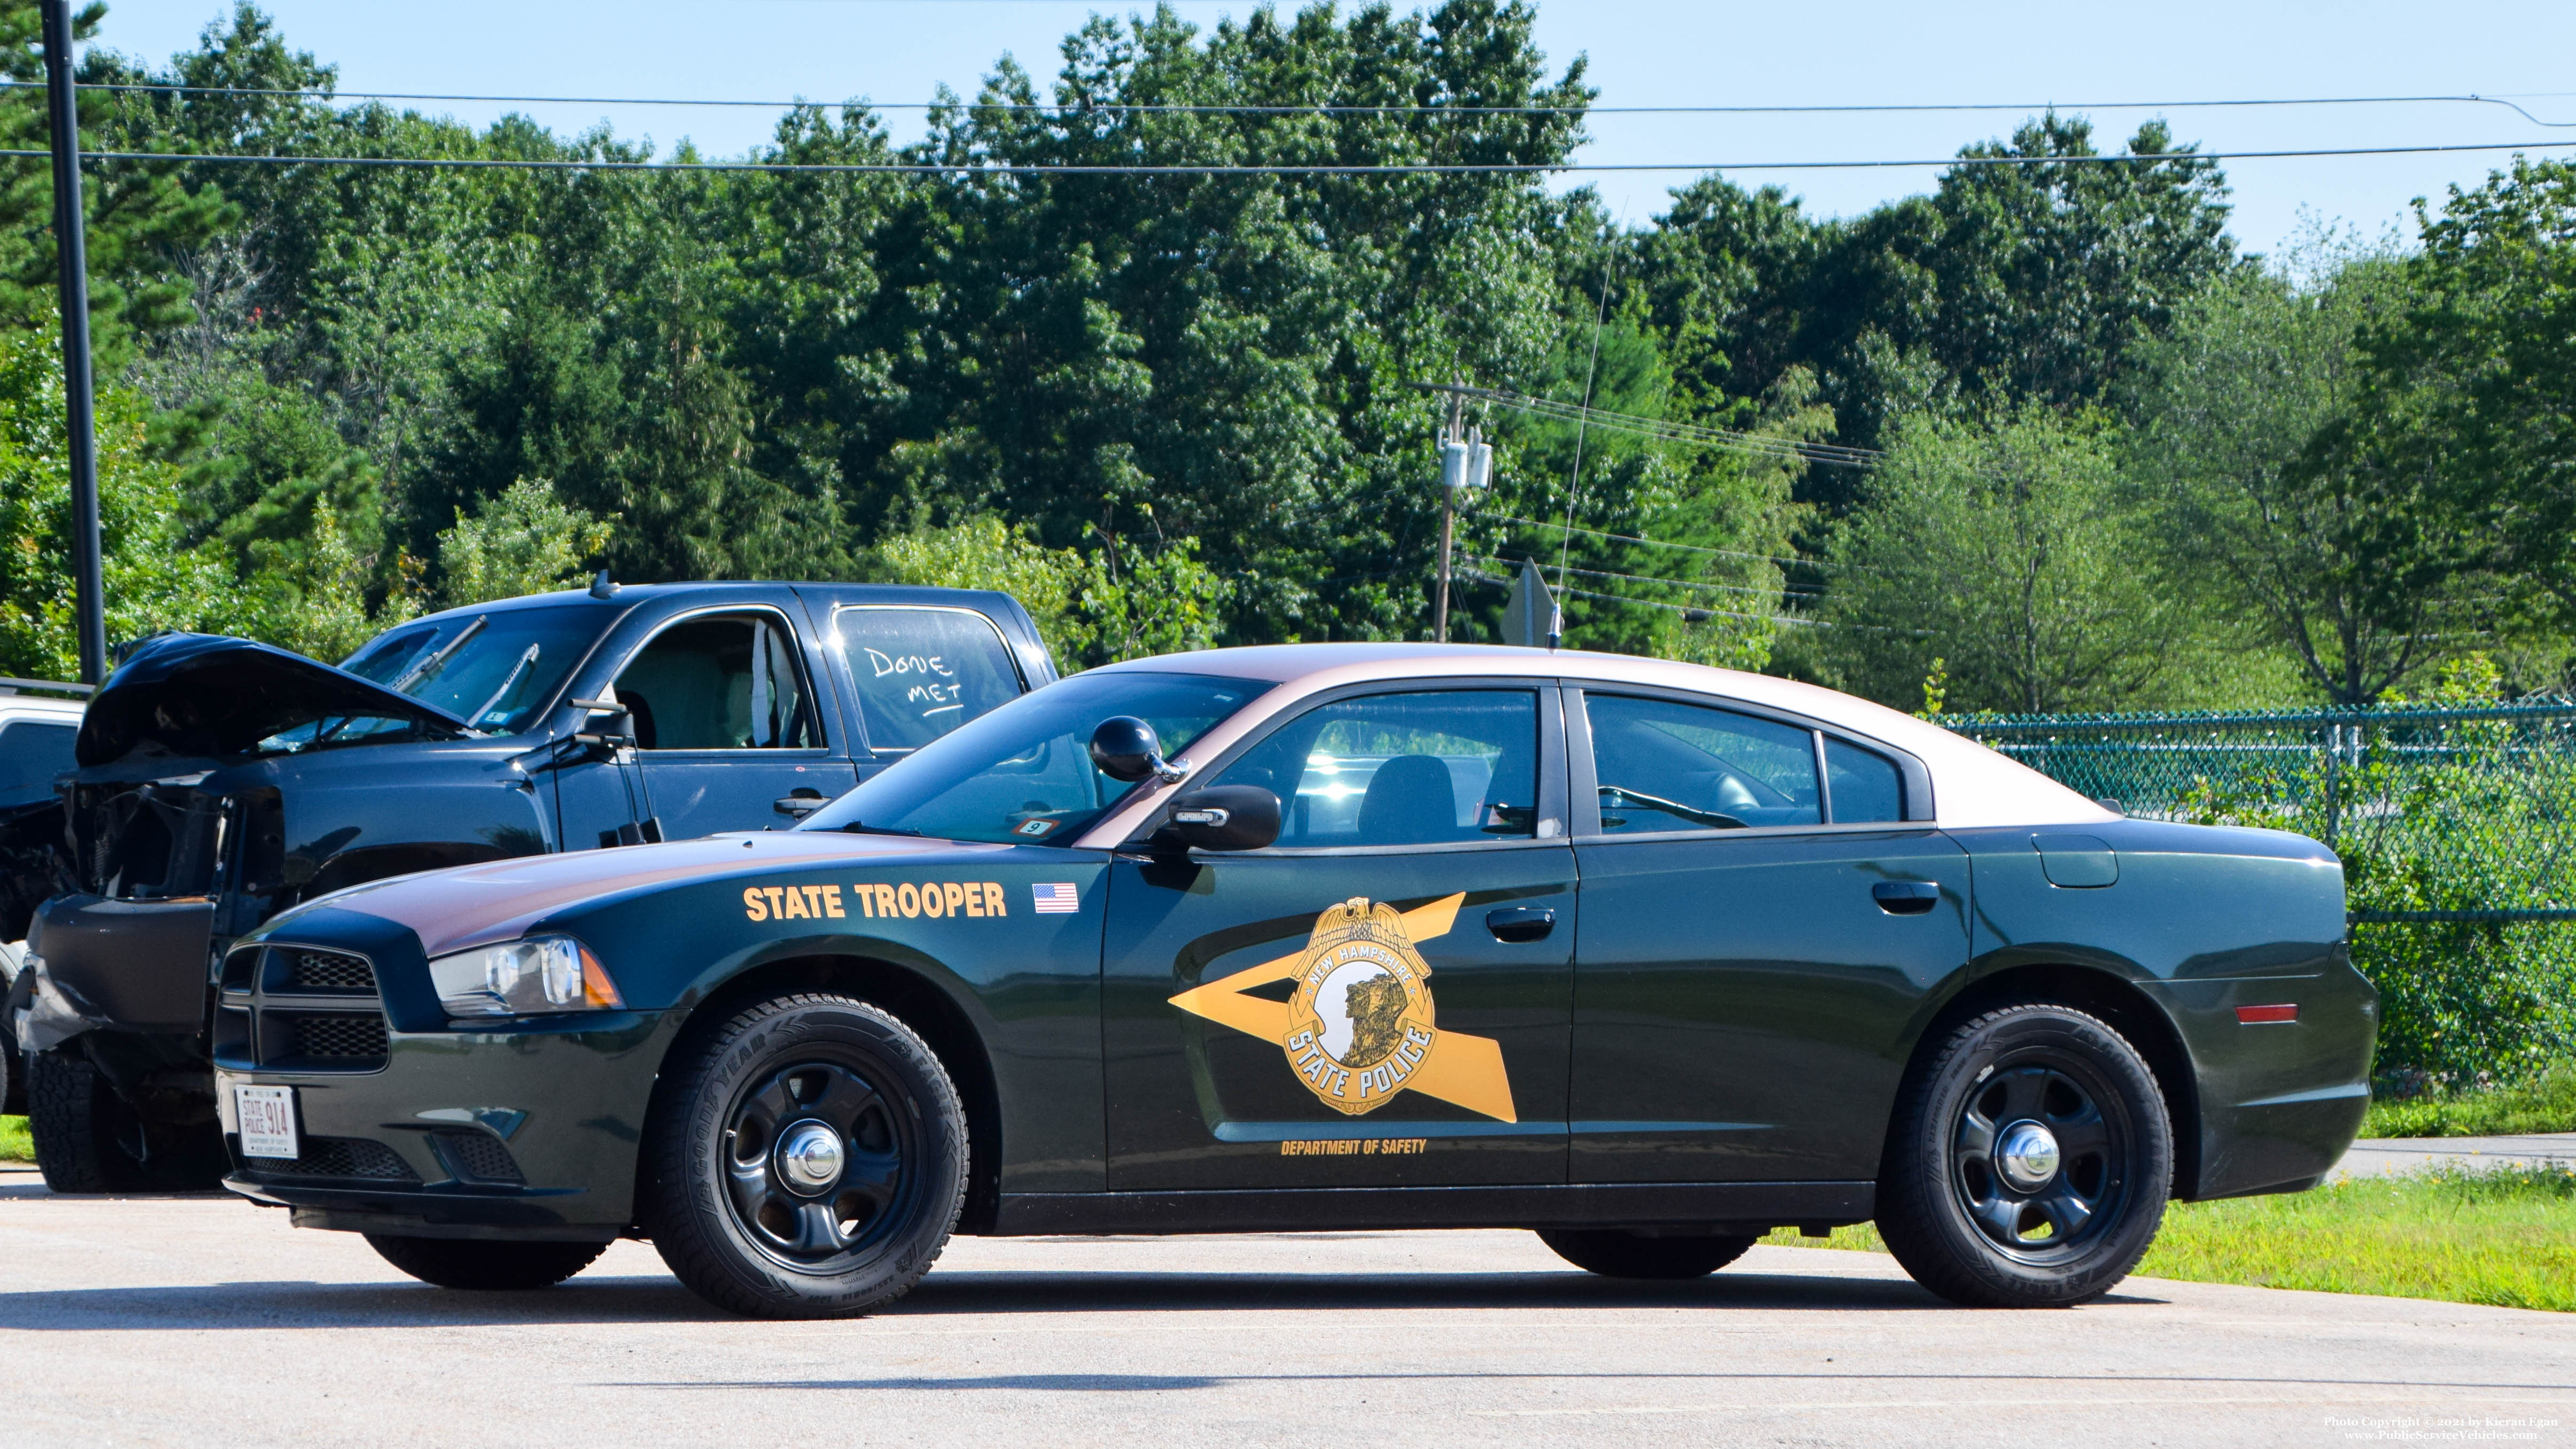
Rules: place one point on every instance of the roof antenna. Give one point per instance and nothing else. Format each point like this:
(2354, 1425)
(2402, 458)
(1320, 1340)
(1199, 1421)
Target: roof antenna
(602, 586)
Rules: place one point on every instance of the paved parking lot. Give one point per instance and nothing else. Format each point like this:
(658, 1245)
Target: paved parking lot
(178, 1320)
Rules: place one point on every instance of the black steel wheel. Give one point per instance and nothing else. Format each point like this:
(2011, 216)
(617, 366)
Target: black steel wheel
(2029, 1162)
(1617, 1253)
(815, 1159)
(808, 1160)
(485, 1265)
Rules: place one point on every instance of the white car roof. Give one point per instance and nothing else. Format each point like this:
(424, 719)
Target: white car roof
(1972, 786)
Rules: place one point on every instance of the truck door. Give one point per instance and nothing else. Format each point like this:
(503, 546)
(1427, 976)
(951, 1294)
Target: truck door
(727, 726)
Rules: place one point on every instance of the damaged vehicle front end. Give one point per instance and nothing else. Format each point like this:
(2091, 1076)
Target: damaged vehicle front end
(219, 781)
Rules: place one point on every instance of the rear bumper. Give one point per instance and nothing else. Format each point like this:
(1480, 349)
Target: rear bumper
(2280, 1101)
(526, 1131)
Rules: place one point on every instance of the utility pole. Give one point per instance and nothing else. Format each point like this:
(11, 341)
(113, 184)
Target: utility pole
(1466, 464)
(71, 254)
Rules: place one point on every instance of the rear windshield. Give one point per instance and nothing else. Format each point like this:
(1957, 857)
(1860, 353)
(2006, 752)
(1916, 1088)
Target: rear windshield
(492, 670)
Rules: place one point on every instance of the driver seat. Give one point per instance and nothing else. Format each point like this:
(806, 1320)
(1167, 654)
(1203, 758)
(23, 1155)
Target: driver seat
(1410, 801)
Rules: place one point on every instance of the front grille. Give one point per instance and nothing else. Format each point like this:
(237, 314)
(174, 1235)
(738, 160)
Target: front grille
(333, 1038)
(356, 1157)
(311, 970)
(479, 1156)
(296, 1008)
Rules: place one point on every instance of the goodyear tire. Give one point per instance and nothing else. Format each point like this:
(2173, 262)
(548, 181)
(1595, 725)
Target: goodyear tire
(2028, 1163)
(1616, 1254)
(807, 1160)
(484, 1266)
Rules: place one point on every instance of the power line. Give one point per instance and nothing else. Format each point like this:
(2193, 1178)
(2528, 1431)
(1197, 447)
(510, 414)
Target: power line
(1657, 542)
(1327, 108)
(1693, 610)
(1676, 583)
(1505, 168)
(1837, 455)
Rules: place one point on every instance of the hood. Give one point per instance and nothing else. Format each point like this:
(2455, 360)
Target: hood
(474, 905)
(208, 697)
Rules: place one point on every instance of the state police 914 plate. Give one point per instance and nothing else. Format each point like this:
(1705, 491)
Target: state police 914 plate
(267, 1116)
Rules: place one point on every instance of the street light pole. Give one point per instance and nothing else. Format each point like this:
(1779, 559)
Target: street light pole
(71, 252)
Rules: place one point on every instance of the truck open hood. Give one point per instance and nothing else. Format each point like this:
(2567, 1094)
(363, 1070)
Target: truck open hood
(209, 697)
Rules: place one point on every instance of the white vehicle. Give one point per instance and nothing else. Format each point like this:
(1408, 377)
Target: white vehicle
(37, 732)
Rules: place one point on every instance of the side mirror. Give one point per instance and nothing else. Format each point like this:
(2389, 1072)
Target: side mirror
(1226, 817)
(1126, 749)
(605, 726)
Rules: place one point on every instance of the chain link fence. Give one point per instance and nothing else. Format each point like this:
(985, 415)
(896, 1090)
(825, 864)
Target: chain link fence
(2457, 829)
(2442, 813)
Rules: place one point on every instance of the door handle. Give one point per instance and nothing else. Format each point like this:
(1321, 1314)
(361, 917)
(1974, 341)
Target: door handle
(800, 802)
(1521, 924)
(1906, 897)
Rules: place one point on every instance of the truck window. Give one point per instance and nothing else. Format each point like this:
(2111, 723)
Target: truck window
(32, 753)
(725, 683)
(922, 672)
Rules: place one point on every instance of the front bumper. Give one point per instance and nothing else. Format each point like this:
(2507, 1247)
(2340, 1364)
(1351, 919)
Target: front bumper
(526, 1130)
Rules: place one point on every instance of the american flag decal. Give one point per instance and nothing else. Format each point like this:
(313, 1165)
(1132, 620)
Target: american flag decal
(1057, 900)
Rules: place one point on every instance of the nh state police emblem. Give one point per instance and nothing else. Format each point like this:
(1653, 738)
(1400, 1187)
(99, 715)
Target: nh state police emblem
(1360, 1024)
(1359, 1029)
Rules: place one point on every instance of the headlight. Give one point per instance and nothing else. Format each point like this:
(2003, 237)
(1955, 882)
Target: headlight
(518, 978)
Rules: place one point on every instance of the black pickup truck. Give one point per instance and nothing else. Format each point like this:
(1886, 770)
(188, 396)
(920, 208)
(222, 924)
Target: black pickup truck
(220, 781)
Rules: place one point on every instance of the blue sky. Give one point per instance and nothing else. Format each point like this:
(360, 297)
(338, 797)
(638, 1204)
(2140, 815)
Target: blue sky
(1642, 52)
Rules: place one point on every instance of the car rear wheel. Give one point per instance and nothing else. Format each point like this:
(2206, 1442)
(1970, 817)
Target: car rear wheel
(808, 1160)
(485, 1266)
(1613, 1253)
(2028, 1163)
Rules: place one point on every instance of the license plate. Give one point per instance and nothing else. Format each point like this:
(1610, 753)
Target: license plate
(267, 1116)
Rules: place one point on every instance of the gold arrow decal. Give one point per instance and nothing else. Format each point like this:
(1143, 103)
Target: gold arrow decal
(1466, 1070)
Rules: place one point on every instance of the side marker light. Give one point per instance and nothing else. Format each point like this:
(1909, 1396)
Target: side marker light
(2262, 1015)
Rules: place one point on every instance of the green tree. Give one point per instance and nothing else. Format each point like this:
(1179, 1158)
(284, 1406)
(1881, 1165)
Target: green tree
(2465, 426)
(153, 581)
(2000, 553)
(2283, 535)
(525, 541)
(136, 217)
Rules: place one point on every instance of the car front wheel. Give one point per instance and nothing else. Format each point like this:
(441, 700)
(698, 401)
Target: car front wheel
(808, 1160)
(2028, 1163)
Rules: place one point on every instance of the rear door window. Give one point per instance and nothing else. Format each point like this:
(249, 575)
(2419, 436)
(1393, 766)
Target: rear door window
(1662, 765)
(1864, 785)
(922, 671)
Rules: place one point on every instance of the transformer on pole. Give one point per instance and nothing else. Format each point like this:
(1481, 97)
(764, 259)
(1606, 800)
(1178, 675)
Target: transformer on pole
(71, 252)
(1466, 466)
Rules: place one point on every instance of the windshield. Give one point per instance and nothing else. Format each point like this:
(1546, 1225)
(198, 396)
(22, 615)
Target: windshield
(491, 670)
(1022, 774)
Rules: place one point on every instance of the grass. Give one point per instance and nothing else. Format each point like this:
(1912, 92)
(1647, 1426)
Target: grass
(2546, 1103)
(15, 1144)
(2504, 1238)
